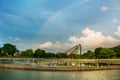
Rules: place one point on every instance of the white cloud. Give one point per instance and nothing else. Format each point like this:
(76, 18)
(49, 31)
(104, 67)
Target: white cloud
(55, 47)
(103, 8)
(14, 38)
(73, 39)
(1, 41)
(110, 41)
(46, 45)
(17, 39)
(114, 20)
(117, 33)
(90, 40)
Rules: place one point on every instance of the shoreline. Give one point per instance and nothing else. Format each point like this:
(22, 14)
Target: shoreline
(63, 64)
(63, 69)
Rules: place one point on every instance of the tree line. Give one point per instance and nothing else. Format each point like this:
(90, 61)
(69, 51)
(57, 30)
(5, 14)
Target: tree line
(103, 53)
(10, 50)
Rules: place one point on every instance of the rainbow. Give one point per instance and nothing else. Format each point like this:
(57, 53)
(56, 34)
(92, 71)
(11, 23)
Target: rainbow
(50, 19)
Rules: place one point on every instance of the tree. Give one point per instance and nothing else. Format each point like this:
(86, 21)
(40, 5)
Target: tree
(1, 52)
(104, 53)
(9, 49)
(89, 55)
(27, 53)
(97, 52)
(117, 50)
(107, 53)
(50, 55)
(61, 55)
(39, 53)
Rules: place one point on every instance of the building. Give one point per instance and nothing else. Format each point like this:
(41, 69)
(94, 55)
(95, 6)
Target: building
(74, 50)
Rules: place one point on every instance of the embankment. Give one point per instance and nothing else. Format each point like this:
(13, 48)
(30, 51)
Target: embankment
(68, 68)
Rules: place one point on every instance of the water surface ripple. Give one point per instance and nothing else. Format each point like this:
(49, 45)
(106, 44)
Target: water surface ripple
(8, 74)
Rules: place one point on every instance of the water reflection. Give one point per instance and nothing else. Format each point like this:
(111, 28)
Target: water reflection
(6, 74)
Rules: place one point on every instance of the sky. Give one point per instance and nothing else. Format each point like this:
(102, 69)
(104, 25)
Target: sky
(57, 25)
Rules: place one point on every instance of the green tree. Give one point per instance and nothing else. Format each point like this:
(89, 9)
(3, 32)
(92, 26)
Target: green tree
(61, 55)
(117, 50)
(89, 55)
(9, 49)
(50, 55)
(27, 53)
(0, 50)
(40, 53)
(104, 53)
(97, 52)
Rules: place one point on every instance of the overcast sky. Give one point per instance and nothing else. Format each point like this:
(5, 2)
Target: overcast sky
(57, 25)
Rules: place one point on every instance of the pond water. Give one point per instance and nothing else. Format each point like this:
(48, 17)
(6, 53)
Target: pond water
(38, 64)
(8, 74)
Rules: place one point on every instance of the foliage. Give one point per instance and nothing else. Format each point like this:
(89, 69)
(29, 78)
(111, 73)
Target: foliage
(9, 49)
(0, 49)
(97, 52)
(27, 53)
(104, 53)
(61, 55)
(39, 53)
(117, 50)
(50, 55)
(1, 53)
(89, 55)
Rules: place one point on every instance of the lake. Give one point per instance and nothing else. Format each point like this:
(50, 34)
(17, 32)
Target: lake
(9, 74)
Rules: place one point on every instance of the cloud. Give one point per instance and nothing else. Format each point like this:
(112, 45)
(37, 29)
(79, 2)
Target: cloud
(110, 41)
(46, 45)
(15, 39)
(114, 20)
(117, 33)
(55, 47)
(91, 39)
(10, 15)
(104, 9)
(1, 42)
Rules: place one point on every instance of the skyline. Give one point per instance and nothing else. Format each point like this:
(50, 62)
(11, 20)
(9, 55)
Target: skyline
(59, 25)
